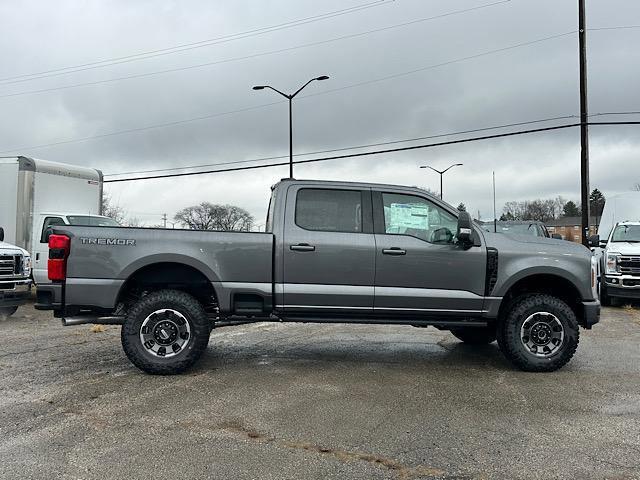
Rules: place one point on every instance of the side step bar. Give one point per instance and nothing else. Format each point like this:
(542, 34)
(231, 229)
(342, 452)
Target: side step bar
(83, 320)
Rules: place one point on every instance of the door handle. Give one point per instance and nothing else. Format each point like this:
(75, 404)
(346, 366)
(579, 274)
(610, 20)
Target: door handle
(394, 251)
(302, 247)
(37, 257)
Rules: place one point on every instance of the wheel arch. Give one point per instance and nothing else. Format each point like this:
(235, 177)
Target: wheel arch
(557, 285)
(160, 275)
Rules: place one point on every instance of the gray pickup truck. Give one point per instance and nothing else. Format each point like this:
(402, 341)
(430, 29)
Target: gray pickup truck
(332, 252)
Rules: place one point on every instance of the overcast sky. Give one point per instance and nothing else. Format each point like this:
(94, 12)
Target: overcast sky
(516, 85)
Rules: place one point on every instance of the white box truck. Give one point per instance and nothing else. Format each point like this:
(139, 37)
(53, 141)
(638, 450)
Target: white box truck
(37, 194)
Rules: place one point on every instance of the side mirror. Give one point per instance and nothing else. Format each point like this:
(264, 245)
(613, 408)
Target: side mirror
(465, 229)
(557, 236)
(594, 241)
(1, 234)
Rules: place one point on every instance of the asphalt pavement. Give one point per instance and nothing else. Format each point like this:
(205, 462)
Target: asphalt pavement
(308, 401)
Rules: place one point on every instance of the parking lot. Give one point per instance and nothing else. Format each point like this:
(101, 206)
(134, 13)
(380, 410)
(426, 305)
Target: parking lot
(316, 401)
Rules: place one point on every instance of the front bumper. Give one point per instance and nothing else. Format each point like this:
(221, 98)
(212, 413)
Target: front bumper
(622, 282)
(14, 293)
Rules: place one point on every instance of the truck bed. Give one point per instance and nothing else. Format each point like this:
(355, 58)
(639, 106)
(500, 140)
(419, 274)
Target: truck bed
(101, 259)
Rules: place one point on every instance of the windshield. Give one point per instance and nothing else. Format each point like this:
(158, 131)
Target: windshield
(91, 221)
(518, 229)
(626, 233)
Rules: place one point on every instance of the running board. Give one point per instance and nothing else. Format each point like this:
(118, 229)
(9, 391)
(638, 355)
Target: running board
(91, 319)
(435, 322)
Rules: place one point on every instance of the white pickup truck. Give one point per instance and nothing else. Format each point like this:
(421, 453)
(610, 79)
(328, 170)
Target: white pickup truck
(620, 264)
(15, 270)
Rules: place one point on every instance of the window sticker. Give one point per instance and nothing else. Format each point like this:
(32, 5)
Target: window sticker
(402, 216)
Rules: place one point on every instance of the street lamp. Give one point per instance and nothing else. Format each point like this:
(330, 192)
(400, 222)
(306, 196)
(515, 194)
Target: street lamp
(290, 97)
(442, 172)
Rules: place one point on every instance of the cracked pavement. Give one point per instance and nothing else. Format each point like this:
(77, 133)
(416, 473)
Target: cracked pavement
(292, 401)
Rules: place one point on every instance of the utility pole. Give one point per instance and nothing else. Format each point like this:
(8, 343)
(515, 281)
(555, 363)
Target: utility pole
(584, 127)
(164, 219)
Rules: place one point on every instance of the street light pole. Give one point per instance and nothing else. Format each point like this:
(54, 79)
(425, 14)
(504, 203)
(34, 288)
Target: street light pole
(290, 97)
(290, 137)
(442, 172)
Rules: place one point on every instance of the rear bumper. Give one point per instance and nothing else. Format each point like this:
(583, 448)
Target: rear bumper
(14, 293)
(590, 313)
(49, 297)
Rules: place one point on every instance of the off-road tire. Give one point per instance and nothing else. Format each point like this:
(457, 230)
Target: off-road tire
(181, 302)
(475, 335)
(509, 332)
(7, 311)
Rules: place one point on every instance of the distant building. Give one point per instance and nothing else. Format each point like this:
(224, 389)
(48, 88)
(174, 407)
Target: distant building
(569, 227)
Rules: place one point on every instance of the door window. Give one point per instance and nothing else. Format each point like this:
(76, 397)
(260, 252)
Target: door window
(417, 217)
(49, 222)
(329, 210)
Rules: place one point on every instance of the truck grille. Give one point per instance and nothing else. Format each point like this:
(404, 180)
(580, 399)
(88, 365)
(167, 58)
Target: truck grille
(10, 265)
(629, 265)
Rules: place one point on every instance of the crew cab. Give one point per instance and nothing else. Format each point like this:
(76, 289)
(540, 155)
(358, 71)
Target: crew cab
(620, 267)
(15, 273)
(332, 252)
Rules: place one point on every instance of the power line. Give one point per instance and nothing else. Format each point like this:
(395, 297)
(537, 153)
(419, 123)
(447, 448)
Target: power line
(19, 79)
(352, 155)
(377, 152)
(614, 27)
(355, 147)
(261, 54)
(188, 46)
(206, 117)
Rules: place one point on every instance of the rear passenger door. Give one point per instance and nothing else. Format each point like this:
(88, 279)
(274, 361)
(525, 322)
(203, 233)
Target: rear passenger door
(329, 251)
(420, 268)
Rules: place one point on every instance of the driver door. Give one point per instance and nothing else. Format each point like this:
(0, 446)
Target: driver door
(420, 269)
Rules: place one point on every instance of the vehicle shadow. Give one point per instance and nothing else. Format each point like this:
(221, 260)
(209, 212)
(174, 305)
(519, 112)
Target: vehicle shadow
(290, 351)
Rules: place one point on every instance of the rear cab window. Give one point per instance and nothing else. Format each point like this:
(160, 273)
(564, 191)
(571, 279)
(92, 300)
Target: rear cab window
(329, 210)
(48, 223)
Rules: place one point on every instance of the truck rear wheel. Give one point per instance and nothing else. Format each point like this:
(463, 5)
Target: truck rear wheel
(539, 333)
(165, 332)
(8, 311)
(475, 335)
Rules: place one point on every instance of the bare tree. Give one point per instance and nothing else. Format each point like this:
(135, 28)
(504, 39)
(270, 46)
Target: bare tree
(636, 187)
(541, 210)
(207, 216)
(112, 210)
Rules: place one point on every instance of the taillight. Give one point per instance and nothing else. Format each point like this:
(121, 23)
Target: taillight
(59, 246)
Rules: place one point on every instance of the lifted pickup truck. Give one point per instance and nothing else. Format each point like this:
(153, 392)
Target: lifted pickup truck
(332, 252)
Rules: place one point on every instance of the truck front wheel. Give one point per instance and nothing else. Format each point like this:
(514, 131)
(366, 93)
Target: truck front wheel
(539, 333)
(475, 335)
(165, 332)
